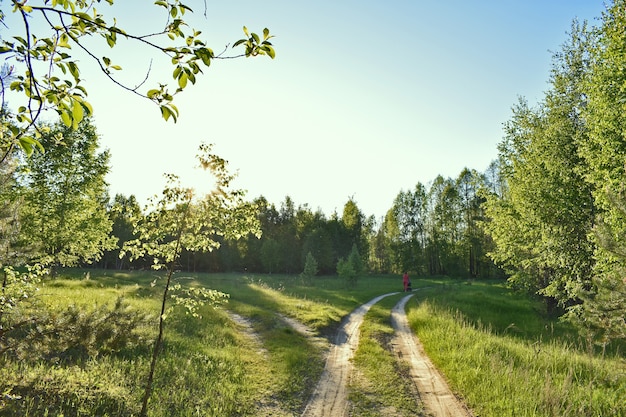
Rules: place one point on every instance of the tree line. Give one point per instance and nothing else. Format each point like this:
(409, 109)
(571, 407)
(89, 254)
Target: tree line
(435, 231)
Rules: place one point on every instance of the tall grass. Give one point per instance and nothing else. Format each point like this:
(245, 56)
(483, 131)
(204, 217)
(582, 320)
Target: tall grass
(528, 367)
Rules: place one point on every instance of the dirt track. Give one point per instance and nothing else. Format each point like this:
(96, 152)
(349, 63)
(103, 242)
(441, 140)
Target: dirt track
(434, 392)
(330, 398)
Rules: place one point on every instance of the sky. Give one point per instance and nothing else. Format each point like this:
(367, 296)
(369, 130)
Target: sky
(364, 99)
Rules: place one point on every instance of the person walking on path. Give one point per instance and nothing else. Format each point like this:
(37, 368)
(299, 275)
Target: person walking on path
(405, 281)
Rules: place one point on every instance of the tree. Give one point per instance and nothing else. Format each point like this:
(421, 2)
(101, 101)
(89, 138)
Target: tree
(310, 269)
(121, 213)
(65, 195)
(406, 227)
(350, 268)
(178, 221)
(444, 228)
(271, 255)
(604, 152)
(541, 224)
(45, 60)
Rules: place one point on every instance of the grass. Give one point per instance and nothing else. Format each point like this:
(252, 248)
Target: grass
(508, 360)
(494, 346)
(381, 384)
(207, 367)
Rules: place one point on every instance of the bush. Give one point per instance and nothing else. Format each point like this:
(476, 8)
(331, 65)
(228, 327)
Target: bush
(78, 333)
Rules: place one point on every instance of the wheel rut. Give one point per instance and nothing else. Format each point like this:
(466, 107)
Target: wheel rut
(330, 396)
(436, 396)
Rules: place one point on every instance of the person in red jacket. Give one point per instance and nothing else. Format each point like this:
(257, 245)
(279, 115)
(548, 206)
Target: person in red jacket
(405, 281)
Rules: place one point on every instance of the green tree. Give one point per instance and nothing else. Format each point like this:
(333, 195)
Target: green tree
(353, 221)
(310, 269)
(65, 195)
(406, 227)
(474, 242)
(271, 255)
(121, 213)
(541, 224)
(349, 269)
(604, 152)
(444, 228)
(51, 40)
(177, 221)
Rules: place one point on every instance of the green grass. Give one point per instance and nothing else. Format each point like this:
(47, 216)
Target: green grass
(208, 366)
(494, 346)
(509, 360)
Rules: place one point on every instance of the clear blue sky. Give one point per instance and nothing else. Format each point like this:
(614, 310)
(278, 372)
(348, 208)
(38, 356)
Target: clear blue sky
(364, 98)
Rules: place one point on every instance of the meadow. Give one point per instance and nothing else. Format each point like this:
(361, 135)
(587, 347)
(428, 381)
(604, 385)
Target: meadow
(496, 348)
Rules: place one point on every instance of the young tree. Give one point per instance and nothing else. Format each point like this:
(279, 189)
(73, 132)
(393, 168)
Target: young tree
(50, 40)
(177, 221)
(350, 269)
(310, 269)
(65, 195)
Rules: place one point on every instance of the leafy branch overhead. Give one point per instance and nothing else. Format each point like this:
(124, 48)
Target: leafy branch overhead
(46, 68)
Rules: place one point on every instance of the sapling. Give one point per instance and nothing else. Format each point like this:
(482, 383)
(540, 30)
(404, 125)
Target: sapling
(179, 220)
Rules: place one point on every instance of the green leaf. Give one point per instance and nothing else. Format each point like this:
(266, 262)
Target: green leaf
(29, 144)
(66, 118)
(77, 111)
(182, 80)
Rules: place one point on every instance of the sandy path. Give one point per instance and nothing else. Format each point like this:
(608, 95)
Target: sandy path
(330, 397)
(434, 392)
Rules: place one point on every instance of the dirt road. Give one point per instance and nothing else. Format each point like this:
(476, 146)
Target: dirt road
(330, 398)
(434, 392)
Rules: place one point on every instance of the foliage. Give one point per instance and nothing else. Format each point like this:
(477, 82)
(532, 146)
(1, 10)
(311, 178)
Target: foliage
(602, 315)
(78, 333)
(176, 222)
(64, 197)
(44, 60)
(541, 224)
(271, 255)
(121, 212)
(18, 291)
(604, 153)
(350, 269)
(310, 268)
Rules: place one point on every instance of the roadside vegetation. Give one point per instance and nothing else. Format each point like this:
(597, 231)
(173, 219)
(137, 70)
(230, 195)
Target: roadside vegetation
(508, 359)
(495, 347)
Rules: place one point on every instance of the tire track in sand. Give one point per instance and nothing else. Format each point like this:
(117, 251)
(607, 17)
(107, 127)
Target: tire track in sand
(330, 397)
(434, 392)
